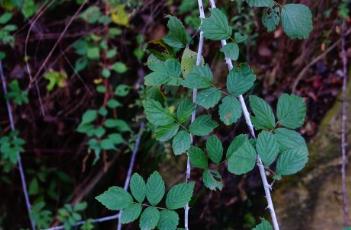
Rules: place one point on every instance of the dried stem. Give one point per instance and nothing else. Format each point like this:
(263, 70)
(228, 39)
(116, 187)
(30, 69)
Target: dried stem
(266, 186)
(19, 160)
(344, 106)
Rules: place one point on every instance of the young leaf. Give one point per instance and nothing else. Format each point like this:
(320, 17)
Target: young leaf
(242, 160)
(200, 77)
(156, 114)
(155, 188)
(229, 110)
(184, 110)
(181, 142)
(267, 147)
(167, 132)
(149, 218)
(231, 50)
(271, 18)
(216, 27)
(264, 117)
(264, 225)
(260, 3)
(130, 213)
(208, 98)
(202, 125)
(188, 61)
(197, 157)
(214, 149)
(291, 161)
(177, 36)
(240, 80)
(115, 198)
(212, 179)
(291, 111)
(179, 195)
(169, 220)
(138, 187)
(296, 20)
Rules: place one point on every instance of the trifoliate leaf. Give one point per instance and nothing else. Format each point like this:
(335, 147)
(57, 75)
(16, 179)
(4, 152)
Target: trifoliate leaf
(130, 213)
(165, 133)
(271, 18)
(179, 195)
(267, 147)
(197, 157)
(214, 149)
(169, 220)
(202, 125)
(188, 61)
(240, 80)
(291, 161)
(229, 110)
(138, 187)
(149, 218)
(184, 110)
(177, 36)
(181, 142)
(264, 116)
(155, 188)
(208, 98)
(231, 50)
(291, 111)
(212, 179)
(200, 77)
(115, 198)
(264, 225)
(243, 159)
(296, 20)
(260, 3)
(216, 27)
(156, 114)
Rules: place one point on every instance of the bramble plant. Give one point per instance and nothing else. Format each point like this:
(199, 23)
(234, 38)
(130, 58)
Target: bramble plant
(277, 147)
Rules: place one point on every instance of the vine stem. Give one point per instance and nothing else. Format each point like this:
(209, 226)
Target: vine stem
(267, 187)
(193, 114)
(19, 161)
(131, 166)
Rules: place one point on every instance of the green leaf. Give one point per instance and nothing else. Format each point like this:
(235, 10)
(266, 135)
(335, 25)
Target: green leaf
(179, 195)
(291, 111)
(271, 18)
(231, 50)
(167, 72)
(5, 18)
(149, 218)
(229, 110)
(89, 116)
(239, 37)
(155, 188)
(156, 114)
(138, 187)
(260, 3)
(181, 142)
(167, 132)
(169, 220)
(264, 225)
(200, 77)
(177, 36)
(235, 144)
(130, 213)
(188, 61)
(291, 161)
(240, 80)
(289, 139)
(115, 198)
(197, 157)
(214, 149)
(208, 98)
(243, 159)
(154, 64)
(212, 179)
(202, 125)
(267, 147)
(296, 20)
(184, 110)
(264, 117)
(216, 27)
